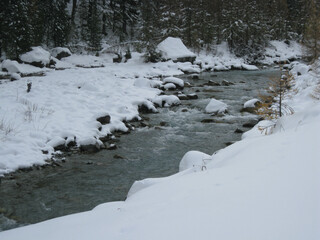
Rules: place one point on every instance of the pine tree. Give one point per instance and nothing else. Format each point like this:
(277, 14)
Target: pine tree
(16, 28)
(312, 31)
(60, 24)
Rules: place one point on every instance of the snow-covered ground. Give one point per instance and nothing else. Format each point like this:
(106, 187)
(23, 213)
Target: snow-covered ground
(263, 187)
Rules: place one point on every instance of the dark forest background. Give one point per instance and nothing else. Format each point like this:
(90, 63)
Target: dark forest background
(246, 25)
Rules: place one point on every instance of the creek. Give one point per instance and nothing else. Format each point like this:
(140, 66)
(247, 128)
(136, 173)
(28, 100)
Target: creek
(84, 181)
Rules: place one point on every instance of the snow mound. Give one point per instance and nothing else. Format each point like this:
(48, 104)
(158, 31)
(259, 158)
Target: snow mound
(177, 81)
(36, 55)
(216, 106)
(194, 159)
(173, 48)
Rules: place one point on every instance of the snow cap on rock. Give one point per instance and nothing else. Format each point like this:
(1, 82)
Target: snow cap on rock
(173, 48)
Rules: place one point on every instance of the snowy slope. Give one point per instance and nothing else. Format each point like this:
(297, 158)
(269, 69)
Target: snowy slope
(263, 187)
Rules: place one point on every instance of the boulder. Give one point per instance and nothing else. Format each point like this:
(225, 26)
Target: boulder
(251, 105)
(179, 83)
(216, 107)
(37, 57)
(174, 49)
(10, 66)
(226, 83)
(60, 52)
(104, 119)
(192, 96)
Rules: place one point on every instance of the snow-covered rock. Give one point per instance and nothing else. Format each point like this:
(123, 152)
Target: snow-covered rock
(10, 66)
(14, 76)
(166, 100)
(56, 142)
(194, 159)
(216, 106)
(249, 67)
(169, 86)
(174, 49)
(251, 103)
(176, 81)
(60, 52)
(37, 57)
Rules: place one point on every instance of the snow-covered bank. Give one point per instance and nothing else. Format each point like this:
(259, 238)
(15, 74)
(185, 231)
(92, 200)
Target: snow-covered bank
(66, 104)
(264, 187)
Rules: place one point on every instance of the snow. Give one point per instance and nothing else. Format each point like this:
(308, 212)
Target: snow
(56, 141)
(56, 51)
(224, 60)
(251, 103)
(280, 51)
(173, 48)
(37, 54)
(249, 67)
(169, 86)
(10, 66)
(264, 187)
(194, 159)
(177, 81)
(166, 101)
(216, 106)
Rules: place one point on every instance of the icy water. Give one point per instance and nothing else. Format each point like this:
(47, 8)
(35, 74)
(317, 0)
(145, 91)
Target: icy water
(84, 181)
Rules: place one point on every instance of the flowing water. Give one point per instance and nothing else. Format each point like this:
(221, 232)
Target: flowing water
(86, 180)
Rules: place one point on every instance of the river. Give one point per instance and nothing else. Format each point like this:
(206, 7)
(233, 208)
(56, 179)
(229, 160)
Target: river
(86, 180)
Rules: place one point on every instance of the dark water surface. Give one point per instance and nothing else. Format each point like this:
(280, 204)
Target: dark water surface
(84, 181)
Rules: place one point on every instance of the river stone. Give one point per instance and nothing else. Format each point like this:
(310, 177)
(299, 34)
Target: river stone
(226, 83)
(118, 156)
(229, 143)
(212, 83)
(238, 131)
(183, 97)
(104, 119)
(250, 124)
(111, 146)
(195, 76)
(90, 148)
(207, 120)
(192, 96)
(184, 110)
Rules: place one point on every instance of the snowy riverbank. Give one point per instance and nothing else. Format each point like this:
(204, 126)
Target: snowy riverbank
(263, 187)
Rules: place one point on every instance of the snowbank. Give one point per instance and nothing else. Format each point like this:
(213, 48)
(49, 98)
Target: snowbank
(174, 49)
(65, 104)
(216, 106)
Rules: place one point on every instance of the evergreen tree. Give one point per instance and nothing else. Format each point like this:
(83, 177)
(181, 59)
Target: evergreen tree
(312, 31)
(16, 28)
